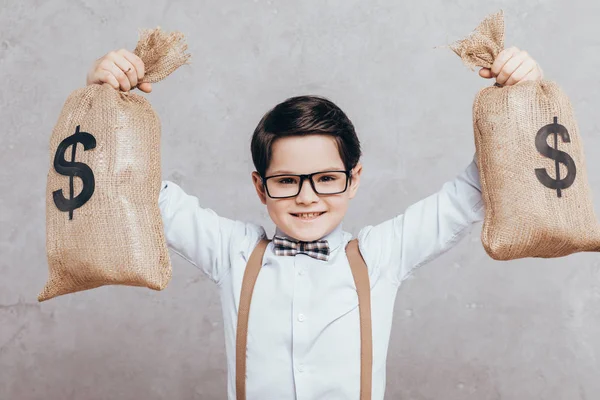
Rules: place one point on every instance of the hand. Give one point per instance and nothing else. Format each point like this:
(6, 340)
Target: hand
(513, 66)
(121, 69)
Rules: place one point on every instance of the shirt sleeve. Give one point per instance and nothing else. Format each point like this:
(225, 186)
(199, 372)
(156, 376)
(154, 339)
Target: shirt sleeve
(427, 228)
(201, 236)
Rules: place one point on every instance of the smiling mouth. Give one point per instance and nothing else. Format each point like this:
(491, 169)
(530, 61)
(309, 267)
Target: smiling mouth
(308, 216)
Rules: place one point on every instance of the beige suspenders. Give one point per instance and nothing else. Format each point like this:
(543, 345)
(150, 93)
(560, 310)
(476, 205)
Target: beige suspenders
(361, 280)
(250, 275)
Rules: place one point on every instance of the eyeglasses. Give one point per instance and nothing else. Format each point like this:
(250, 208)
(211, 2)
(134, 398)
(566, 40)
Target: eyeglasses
(288, 185)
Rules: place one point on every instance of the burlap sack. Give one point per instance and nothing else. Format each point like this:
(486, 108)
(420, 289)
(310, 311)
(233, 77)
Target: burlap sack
(103, 223)
(524, 134)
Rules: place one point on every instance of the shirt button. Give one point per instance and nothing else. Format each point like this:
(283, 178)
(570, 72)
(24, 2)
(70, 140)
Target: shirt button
(301, 317)
(301, 272)
(301, 368)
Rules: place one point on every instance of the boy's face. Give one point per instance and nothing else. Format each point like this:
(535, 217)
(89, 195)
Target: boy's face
(305, 155)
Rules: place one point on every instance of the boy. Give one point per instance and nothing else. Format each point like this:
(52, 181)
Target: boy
(303, 333)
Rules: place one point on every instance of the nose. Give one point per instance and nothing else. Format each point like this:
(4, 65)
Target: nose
(307, 195)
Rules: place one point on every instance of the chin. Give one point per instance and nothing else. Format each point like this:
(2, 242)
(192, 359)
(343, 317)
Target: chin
(306, 236)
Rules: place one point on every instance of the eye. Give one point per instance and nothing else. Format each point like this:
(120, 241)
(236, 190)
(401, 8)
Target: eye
(286, 180)
(327, 178)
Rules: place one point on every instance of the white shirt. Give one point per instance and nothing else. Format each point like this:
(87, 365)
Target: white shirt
(303, 330)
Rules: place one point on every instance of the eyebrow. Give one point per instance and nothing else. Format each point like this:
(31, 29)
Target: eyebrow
(285, 172)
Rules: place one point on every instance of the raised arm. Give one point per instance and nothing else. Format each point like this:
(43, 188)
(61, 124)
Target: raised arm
(426, 229)
(199, 235)
(435, 224)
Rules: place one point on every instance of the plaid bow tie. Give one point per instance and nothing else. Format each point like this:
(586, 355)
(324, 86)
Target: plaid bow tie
(318, 249)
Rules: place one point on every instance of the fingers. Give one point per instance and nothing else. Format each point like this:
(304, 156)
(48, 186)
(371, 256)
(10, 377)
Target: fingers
(502, 58)
(121, 69)
(534, 74)
(145, 87)
(127, 68)
(527, 66)
(485, 73)
(135, 61)
(509, 68)
(513, 66)
(103, 76)
(117, 72)
(510, 62)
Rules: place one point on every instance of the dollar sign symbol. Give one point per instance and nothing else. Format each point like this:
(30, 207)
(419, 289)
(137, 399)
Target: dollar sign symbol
(72, 169)
(558, 156)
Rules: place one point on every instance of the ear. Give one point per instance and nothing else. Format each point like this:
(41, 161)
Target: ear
(355, 181)
(260, 189)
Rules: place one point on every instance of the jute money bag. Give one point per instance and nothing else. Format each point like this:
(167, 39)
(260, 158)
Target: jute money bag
(531, 161)
(103, 223)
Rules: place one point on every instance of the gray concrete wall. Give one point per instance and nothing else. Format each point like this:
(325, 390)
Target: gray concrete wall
(466, 327)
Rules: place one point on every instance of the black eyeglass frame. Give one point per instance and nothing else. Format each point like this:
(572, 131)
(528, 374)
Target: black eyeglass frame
(302, 177)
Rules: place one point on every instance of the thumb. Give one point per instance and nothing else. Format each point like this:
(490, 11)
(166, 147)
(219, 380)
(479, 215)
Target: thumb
(145, 87)
(485, 73)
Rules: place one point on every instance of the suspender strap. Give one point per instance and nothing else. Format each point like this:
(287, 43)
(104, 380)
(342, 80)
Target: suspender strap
(250, 275)
(361, 280)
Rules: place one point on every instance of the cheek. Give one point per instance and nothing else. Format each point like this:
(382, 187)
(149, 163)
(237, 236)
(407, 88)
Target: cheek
(277, 208)
(337, 204)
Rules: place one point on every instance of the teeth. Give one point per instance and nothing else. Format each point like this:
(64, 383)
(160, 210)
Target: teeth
(308, 215)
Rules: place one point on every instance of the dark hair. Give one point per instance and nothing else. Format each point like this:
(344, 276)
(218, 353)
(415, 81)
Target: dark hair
(304, 115)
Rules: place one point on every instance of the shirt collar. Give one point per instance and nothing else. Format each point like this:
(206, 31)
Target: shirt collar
(334, 237)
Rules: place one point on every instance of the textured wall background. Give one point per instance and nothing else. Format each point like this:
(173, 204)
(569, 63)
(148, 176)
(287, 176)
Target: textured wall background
(466, 327)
